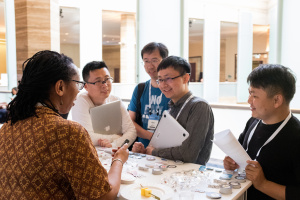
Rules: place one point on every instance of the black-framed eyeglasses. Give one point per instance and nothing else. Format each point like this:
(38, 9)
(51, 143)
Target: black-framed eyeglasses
(79, 84)
(100, 83)
(168, 80)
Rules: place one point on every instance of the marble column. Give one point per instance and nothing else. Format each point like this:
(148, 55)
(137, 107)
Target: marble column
(290, 41)
(34, 30)
(161, 21)
(244, 55)
(90, 32)
(211, 55)
(11, 56)
(275, 22)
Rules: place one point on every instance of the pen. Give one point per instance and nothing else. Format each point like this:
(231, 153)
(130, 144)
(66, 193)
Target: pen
(126, 141)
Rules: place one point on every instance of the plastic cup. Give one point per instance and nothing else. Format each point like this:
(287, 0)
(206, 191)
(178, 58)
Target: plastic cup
(186, 196)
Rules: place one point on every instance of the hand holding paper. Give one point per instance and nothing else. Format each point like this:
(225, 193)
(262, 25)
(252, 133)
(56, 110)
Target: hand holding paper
(226, 141)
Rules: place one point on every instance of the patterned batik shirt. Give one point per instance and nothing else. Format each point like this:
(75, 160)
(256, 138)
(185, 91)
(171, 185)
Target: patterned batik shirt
(48, 157)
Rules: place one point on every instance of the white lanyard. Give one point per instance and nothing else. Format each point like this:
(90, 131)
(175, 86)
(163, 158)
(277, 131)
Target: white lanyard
(151, 97)
(186, 101)
(272, 136)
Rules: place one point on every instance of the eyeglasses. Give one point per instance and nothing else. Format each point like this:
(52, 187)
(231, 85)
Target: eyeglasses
(79, 84)
(100, 83)
(168, 80)
(153, 62)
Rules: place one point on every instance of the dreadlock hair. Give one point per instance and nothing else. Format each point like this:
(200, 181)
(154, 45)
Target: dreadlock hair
(40, 73)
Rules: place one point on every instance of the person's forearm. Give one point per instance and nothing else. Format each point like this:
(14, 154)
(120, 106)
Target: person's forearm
(129, 135)
(272, 189)
(142, 133)
(114, 179)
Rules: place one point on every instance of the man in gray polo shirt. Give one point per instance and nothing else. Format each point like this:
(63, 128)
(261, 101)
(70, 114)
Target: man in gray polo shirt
(193, 113)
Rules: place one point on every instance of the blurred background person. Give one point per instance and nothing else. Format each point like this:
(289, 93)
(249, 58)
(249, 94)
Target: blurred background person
(3, 106)
(14, 92)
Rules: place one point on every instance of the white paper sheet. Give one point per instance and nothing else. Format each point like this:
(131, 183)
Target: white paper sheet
(226, 141)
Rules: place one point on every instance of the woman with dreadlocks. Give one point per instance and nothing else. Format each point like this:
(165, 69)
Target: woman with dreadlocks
(44, 156)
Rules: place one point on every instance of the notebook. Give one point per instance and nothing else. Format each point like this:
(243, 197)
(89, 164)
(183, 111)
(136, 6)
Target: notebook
(107, 118)
(168, 133)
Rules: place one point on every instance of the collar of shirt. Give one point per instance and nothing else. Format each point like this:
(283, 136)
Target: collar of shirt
(181, 101)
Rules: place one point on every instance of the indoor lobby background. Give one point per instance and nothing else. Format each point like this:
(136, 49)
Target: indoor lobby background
(222, 40)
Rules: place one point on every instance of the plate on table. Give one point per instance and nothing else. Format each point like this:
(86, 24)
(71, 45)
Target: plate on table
(133, 192)
(127, 178)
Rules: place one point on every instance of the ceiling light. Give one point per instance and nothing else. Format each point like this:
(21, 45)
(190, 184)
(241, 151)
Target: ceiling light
(66, 33)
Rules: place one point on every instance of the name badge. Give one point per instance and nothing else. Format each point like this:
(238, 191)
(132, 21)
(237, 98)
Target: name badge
(152, 122)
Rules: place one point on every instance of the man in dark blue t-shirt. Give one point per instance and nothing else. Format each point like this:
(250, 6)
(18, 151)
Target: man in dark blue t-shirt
(152, 101)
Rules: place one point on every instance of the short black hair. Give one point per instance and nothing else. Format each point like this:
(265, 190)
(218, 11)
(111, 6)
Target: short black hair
(179, 64)
(274, 79)
(152, 46)
(91, 66)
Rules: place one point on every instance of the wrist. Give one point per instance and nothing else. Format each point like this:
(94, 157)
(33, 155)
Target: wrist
(117, 160)
(150, 134)
(262, 185)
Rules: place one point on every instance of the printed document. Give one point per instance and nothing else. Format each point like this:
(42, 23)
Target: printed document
(226, 141)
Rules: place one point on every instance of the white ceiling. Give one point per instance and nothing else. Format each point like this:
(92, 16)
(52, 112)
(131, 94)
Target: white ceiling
(111, 20)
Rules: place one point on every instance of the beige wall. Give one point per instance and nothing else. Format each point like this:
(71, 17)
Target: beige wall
(71, 50)
(111, 56)
(2, 43)
(196, 50)
(2, 58)
(231, 50)
(260, 43)
(223, 60)
(228, 51)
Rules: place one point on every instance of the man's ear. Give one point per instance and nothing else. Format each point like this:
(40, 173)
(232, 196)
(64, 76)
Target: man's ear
(186, 78)
(278, 100)
(60, 87)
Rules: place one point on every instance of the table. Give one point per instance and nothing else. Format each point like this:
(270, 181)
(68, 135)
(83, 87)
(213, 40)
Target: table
(134, 160)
